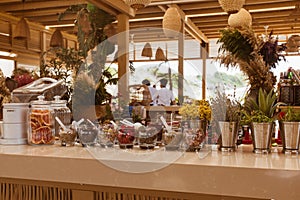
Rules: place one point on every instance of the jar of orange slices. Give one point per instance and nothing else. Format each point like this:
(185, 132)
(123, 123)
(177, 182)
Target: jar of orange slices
(41, 124)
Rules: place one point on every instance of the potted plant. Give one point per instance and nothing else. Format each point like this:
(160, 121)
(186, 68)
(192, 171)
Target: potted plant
(195, 119)
(254, 55)
(289, 125)
(260, 114)
(226, 116)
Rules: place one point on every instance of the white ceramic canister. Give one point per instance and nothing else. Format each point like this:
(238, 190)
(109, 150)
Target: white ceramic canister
(15, 131)
(14, 113)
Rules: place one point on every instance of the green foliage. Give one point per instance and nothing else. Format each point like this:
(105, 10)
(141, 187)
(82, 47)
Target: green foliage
(64, 64)
(261, 110)
(237, 44)
(289, 116)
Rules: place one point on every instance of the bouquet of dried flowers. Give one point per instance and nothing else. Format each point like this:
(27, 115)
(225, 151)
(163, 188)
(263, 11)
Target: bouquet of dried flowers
(225, 108)
(198, 109)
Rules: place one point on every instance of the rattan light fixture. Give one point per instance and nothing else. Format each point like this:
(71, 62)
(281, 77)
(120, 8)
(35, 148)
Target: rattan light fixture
(231, 6)
(240, 19)
(57, 39)
(147, 50)
(159, 55)
(137, 4)
(22, 30)
(172, 22)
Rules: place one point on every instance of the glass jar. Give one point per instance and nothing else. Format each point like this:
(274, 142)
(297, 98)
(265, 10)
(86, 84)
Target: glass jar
(40, 119)
(60, 110)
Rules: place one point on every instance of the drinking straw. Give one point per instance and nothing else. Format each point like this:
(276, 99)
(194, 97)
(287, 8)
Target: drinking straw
(131, 124)
(91, 122)
(61, 124)
(165, 124)
(113, 123)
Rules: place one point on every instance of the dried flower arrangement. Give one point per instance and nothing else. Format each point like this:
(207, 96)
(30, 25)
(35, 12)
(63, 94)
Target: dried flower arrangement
(254, 55)
(198, 109)
(225, 108)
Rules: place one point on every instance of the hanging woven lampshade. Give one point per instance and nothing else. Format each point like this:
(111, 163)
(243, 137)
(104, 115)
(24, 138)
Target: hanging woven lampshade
(57, 39)
(172, 22)
(159, 55)
(231, 6)
(240, 19)
(22, 31)
(137, 4)
(147, 50)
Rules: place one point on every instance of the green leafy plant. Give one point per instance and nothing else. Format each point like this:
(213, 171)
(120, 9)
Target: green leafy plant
(289, 116)
(262, 110)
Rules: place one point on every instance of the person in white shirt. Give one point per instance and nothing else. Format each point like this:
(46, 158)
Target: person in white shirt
(164, 96)
(152, 90)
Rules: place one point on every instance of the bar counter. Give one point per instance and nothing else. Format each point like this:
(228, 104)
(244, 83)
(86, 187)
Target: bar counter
(76, 173)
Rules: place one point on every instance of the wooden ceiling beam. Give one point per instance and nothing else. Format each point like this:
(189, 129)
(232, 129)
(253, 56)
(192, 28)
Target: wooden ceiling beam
(33, 5)
(40, 12)
(118, 5)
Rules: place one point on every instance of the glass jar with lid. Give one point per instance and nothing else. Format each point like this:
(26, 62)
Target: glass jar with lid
(60, 110)
(41, 129)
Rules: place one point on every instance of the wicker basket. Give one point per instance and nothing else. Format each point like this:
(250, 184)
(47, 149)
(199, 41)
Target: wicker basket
(231, 6)
(147, 50)
(172, 22)
(240, 19)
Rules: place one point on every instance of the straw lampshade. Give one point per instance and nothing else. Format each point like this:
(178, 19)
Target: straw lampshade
(147, 50)
(240, 19)
(172, 22)
(159, 55)
(231, 6)
(137, 4)
(22, 31)
(57, 39)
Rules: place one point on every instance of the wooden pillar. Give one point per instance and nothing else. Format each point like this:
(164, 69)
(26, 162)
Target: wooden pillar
(123, 56)
(204, 54)
(180, 64)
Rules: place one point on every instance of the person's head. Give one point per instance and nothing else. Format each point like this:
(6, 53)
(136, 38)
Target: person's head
(163, 82)
(146, 82)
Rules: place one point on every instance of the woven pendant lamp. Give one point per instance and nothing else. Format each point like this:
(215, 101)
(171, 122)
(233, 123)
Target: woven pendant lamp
(147, 50)
(172, 22)
(231, 6)
(22, 31)
(137, 4)
(240, 19)
(159, 55)
(57, 39)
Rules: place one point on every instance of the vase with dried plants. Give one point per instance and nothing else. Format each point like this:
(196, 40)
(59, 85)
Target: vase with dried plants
(253, 55)
(226, 112)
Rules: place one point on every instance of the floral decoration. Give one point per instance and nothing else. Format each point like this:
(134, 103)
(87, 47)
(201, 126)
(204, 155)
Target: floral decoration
(198, 109)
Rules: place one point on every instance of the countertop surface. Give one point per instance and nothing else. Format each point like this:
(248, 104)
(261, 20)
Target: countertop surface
(241, 173)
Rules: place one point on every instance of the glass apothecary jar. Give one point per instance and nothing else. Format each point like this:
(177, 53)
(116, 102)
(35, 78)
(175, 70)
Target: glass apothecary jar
(41, 129)
(60, 110)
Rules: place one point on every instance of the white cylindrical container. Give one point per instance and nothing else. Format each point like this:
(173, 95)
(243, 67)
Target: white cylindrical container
(15, 131)
(14, 113)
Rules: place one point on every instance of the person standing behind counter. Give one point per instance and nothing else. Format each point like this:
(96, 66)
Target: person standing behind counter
(164, 96)
(151, 89)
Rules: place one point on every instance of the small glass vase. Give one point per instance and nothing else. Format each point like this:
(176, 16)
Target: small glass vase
(194, 133)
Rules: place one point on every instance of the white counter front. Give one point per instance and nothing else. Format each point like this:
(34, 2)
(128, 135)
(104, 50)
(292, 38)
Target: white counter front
(209, 174)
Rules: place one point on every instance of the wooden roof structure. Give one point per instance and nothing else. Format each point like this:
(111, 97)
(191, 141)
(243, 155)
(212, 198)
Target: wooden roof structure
(203, 18)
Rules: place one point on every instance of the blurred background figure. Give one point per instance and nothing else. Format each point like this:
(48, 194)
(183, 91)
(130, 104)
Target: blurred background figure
(151, 89)
(164, 96)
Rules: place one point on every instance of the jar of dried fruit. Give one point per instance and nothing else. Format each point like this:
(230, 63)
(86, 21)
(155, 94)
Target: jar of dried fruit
(41, 129)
